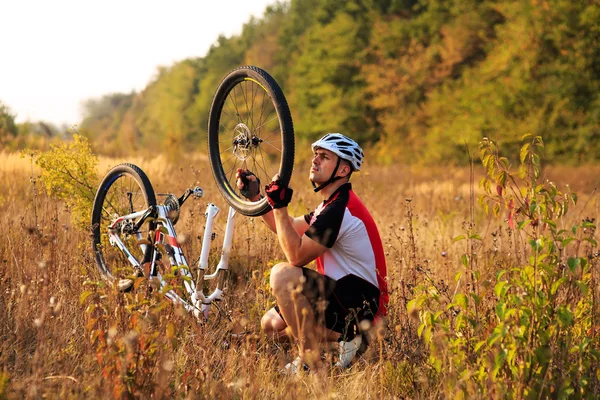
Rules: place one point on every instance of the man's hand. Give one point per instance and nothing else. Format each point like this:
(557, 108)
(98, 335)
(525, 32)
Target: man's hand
(278, 195)
(248, 183)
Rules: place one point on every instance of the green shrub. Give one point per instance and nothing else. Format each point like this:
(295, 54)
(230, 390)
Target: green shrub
(533, 335)
(69, 173)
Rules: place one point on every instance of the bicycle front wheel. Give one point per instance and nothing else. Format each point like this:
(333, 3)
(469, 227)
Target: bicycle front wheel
(250, 127)
(117, 245)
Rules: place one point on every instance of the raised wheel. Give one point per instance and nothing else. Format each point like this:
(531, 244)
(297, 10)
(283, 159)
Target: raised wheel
(249, 127)
(124, 190)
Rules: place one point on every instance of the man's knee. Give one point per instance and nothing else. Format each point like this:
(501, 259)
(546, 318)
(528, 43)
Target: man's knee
(272, 322)
(284, 278)
(267, 324)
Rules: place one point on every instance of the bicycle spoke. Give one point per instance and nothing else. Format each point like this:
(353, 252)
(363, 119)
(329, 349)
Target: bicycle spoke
(241, 103)
(232, 110)
(276, 148)
(262, 111)
(245, 97)
(263, 158)
(270, 136)
(255, 91)
(226, 113)
(233, 170)
(257, 168)
(225, 165)
(229, 159)
(272, 119)
(235, 107)
(226, 150)
(254, 166)
(225, 128)
(264, 168)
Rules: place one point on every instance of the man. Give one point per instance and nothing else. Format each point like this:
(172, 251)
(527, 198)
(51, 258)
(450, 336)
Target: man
(349, 285)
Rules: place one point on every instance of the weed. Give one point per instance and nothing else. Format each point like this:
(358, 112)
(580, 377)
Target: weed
(529, 327)
(532, 335)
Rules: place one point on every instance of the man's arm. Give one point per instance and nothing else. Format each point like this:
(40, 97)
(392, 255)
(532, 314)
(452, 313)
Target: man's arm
(299, 223)
(299, 250)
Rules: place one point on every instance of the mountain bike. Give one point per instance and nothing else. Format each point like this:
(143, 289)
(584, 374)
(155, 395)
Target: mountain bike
(250, 127)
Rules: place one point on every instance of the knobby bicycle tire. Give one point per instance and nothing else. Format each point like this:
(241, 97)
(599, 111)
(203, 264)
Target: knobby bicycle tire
(107, 205)
(241, 123)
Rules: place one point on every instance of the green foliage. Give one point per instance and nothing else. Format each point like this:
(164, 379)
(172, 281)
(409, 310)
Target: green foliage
(535, 335)
(69, 173)
(325, 78)
(8, 128)
(166, 111)
(299, 17)
(525, 81)
(416, 79)
(110, 120)
(4, 378)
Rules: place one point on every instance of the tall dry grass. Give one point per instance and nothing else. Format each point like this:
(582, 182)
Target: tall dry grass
(48, 349)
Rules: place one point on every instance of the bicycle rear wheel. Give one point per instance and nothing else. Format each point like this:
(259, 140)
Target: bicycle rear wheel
(250, 127)
(124, 190)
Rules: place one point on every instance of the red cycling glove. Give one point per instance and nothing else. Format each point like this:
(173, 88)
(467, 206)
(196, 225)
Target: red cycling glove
(278, 196)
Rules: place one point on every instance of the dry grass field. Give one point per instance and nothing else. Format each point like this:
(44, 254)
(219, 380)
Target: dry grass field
(64, 334)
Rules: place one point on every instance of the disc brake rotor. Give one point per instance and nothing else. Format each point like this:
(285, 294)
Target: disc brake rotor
(244, 141)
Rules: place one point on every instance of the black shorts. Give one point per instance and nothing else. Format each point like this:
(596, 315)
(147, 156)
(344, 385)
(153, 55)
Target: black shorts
(340, 305)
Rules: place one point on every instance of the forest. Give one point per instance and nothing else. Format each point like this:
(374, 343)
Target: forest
(417, 81)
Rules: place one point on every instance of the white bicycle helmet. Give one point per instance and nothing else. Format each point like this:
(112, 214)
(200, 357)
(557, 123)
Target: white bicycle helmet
(344, 147)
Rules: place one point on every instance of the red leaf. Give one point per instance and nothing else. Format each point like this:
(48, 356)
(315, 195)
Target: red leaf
(511, 220)
(499, 190)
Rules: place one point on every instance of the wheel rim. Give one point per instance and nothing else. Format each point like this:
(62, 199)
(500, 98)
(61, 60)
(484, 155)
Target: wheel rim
(249, 134)
(123, 196)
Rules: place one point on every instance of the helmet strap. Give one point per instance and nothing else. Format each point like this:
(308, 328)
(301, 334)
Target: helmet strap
(330, 180)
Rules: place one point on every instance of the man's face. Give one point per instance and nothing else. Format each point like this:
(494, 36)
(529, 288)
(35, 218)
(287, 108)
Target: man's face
(323, 164)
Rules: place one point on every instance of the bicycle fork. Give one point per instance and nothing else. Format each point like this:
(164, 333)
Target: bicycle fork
(220, 272)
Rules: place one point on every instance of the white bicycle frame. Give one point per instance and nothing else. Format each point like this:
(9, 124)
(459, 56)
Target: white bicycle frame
(165, 234)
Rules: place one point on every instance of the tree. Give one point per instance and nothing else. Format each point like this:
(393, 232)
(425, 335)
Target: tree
(416, 78)
(325, 85)
(103, 120)
(166, 103)
(8, 128)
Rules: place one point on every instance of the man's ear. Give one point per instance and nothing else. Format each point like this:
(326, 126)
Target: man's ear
(344, 169)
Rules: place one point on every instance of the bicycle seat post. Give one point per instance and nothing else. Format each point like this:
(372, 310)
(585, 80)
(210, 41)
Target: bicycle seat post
(211, 212)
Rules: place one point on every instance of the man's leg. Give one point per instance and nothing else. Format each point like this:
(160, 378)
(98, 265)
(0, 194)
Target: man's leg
(273, 325)
(286, 284)
(354, 300)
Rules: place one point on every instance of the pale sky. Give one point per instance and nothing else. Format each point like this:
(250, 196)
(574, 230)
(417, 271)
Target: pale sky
(56, 53)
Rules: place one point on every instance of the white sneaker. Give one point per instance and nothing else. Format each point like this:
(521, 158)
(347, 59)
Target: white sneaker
(294, 368)
(348, 352)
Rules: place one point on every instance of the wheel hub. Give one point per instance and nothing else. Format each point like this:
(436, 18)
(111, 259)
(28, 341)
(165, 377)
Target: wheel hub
(244, 141)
